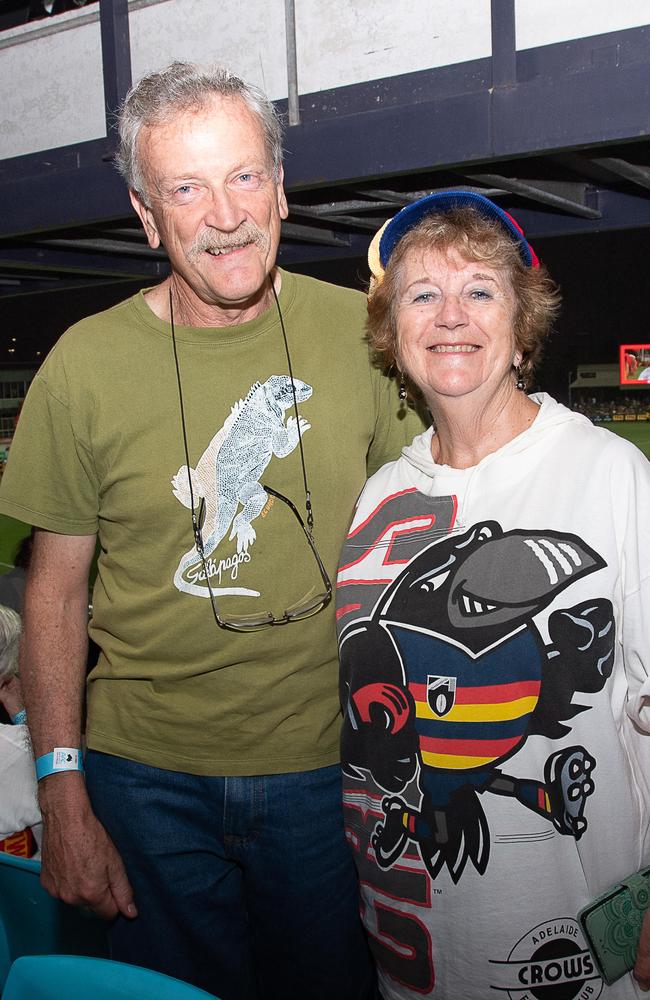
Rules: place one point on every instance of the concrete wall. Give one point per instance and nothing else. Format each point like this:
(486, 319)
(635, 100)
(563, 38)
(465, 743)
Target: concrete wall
(51, 78)
(542, 22)
(51, 84)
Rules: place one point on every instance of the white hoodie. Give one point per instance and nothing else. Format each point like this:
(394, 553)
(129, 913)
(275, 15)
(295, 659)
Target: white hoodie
(462, 700)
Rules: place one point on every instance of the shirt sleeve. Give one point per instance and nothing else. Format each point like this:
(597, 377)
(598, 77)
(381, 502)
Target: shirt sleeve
(18, 795)
(396, 425)
(50, 479)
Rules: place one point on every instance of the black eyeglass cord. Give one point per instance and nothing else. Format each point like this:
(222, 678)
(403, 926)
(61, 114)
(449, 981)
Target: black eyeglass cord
(310, 516)
(195, 525)
(308, 507)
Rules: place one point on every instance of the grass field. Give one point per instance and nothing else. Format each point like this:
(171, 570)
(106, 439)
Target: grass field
(10, 534)
(12, 531)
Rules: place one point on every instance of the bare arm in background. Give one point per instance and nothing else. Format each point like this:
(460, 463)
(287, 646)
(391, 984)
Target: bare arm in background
(642, 967)
(80, 863)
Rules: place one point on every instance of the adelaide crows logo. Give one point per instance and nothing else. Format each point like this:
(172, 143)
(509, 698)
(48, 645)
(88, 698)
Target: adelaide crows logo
(448, 677)
(441, 694)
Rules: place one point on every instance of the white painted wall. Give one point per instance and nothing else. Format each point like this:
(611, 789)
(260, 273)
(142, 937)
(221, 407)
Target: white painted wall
(51, 76)
(51, 86)
(249, 38)
(542, 22)
(338, 42)
(341, 42)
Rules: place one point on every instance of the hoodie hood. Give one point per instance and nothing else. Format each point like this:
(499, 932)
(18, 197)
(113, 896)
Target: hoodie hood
(551, 414)
(507, 466)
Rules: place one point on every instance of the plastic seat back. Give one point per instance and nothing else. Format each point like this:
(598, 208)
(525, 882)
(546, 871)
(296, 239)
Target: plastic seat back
(54, 977)
(33, 923)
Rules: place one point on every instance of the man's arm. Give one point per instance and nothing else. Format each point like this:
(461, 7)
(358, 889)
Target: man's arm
(80, 863)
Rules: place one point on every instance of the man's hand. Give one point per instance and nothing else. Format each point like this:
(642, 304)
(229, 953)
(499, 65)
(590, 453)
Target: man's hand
(641, 971)
(80, 863)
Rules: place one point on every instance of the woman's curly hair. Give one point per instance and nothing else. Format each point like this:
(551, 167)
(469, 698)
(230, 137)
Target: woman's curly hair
(475, 238)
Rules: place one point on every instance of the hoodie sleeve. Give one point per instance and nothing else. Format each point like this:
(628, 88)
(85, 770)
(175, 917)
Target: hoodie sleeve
(18, 795)
(636, 652)
(632, 485)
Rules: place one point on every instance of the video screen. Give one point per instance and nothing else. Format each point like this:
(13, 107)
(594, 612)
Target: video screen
(634, 360)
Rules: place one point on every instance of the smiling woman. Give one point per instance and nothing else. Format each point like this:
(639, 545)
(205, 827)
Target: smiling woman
(461, 306)
(495, 720)
(474, 238)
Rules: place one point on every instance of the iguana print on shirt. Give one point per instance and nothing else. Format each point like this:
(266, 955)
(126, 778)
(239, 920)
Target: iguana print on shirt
(228, 472)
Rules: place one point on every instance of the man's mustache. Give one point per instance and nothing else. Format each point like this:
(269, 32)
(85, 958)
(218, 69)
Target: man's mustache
(213, 240)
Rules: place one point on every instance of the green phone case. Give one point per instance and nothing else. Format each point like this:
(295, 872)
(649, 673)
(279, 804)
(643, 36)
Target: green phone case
(612, 924)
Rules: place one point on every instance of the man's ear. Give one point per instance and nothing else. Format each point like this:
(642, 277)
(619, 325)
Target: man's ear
(146, 218)
(283, 208)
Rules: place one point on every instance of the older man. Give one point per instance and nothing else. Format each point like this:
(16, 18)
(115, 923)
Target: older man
(190, 428)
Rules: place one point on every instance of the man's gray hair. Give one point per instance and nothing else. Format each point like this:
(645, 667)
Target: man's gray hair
(10, 628)
(160, 97)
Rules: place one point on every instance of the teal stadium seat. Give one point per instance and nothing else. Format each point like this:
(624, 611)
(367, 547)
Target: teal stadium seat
(54, 977)
(33, 923)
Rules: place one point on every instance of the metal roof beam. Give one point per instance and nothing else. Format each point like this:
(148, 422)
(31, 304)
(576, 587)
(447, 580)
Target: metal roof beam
(551, 109)
(39, 284)
(57, 259)
(331, 208)
(402, 198)
(87, 190)
(95, 245)
(306, 253)
(311, 234)
(504, 43)
(619, 210)
(623, 168)
(538, 115)
(361, 222)
(537, 193)
(116, 57)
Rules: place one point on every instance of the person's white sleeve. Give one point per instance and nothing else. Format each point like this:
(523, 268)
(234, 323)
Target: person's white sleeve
(18, 790)
(631, 489)
(636, 651)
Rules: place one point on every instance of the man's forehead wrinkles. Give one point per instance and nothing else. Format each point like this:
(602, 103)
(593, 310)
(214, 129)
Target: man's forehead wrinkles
(200, 164)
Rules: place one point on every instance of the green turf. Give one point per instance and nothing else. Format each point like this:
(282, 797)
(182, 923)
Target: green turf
(11, 533)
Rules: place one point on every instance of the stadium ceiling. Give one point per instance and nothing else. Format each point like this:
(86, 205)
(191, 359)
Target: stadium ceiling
(559, 135)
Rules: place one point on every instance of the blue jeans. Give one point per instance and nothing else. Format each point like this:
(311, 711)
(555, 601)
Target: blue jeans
(244, 886)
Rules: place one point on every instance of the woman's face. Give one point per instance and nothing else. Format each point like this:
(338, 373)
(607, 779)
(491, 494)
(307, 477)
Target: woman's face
(455, 334)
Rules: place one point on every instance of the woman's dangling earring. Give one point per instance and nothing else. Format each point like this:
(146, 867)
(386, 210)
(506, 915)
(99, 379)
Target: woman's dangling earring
(520, 382)
(402, 386)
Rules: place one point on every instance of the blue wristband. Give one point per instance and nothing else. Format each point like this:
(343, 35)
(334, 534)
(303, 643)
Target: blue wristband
(61, 759)
(20, 718)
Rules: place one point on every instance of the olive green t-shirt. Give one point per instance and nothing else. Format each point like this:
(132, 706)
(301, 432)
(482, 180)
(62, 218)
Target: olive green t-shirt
(99, 448)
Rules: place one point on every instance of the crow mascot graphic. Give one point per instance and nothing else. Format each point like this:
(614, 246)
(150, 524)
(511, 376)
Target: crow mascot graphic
(449, 676)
